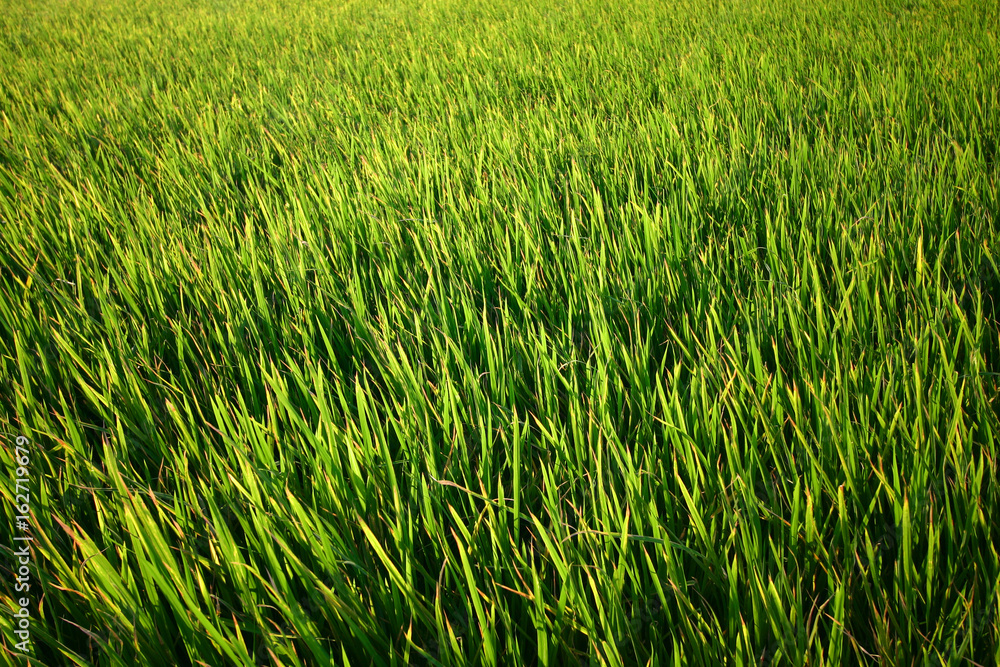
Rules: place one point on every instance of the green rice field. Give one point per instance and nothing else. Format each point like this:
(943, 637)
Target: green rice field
(524, 332)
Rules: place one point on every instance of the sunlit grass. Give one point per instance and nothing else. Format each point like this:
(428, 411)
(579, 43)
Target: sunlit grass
(518, 333)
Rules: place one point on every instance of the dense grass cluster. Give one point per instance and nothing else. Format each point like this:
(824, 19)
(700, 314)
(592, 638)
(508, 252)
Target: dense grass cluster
(522, 332)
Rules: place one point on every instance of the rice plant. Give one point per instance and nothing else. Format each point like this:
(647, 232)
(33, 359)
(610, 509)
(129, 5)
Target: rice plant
(509, 333)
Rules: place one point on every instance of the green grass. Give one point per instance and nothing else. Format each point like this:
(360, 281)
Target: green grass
(522, 332)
